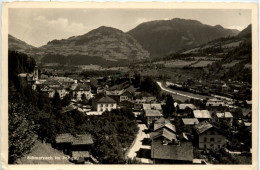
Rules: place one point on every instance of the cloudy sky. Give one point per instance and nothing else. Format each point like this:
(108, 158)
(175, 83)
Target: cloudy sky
(38, 26)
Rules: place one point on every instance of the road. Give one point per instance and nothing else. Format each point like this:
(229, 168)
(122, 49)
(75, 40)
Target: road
(180, 94)
(138, 145)
(187, 94)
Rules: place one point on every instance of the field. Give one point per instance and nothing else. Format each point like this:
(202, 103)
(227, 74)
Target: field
(202, 63)
(233, 44)
(178, 63)
(231, 64)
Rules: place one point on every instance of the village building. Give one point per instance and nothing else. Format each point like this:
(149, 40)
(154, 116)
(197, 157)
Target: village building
(106, 103)
(78, 147)
(226, 116)
(82, 89)
(207, 136)
(151, 115)
(190, 121)
(166, 149)
(215, 103)
(126, 96)
(164, 123)
(201, 115)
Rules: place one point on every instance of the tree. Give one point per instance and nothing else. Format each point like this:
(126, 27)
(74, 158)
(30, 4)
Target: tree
(56, 101)
(137, 80)
(83, 97)
(21, 136)
(168, 109)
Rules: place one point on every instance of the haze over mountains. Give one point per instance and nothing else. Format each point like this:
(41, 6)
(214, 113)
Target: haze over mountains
(154, 38)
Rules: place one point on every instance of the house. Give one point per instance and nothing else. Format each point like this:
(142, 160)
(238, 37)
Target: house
(126, 96)
(164, 123)
(78, 147)
(50, 91)
(154, 106)
(215, 103)
(190, 121)
(185, 106)
(201, 115)
(82, 89)
(181, 153)
(151, 115)
(225, 115)
(106, 103)
(207, 136)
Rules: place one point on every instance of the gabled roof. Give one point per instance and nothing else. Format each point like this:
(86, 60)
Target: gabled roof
(51, 82)
(224, 115)
(163, 132)
(106, 99)
(201, 114)
(64, 138)
(147, 106)
(164, 123)
(114, 92)
(182, 152)
(156, 106)
(151, 113)
(184, 106)
(85, 139)
(190, 121)
(202, 127)
(82, 87)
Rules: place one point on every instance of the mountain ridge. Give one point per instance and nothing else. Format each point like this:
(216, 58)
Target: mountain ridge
(175, 34)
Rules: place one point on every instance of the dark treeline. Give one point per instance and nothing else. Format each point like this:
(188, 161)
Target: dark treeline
(32, 115)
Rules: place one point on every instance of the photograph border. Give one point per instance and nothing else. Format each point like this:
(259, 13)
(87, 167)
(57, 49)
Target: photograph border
(122, 5)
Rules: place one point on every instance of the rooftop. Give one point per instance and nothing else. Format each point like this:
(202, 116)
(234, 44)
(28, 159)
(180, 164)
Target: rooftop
(150, 113)
(201, 114)
(106, 99)
(224, 115)
(163, 132)
(85, 139)
(164, 123)
(82, 87)
(203, 127)
(184, 106)
(190, 121)
(182, 152)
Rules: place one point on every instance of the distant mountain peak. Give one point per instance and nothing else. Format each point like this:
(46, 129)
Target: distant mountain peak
(163, 37)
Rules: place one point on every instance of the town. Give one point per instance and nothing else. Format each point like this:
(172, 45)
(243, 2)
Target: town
(131, 86)
(170, 131)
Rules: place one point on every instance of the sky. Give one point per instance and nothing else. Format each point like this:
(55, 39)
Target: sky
(38, 26)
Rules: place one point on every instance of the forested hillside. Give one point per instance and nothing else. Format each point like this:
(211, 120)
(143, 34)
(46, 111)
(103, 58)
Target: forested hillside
(33, 116)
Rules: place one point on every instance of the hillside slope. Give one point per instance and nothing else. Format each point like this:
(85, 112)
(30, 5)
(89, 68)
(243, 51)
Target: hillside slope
(167, 36)
(106, 42)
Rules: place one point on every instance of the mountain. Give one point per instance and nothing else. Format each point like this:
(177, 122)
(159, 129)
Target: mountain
(106, 42)
(163, 37)
(18, 45)
(246, 32)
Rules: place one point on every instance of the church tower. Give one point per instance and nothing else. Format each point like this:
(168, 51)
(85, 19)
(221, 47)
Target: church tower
(35, 73)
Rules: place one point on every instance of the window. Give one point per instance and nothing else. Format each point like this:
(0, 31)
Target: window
(212, 139)
(205, 146)
(106, 105)
(205, 139)
(101, 105)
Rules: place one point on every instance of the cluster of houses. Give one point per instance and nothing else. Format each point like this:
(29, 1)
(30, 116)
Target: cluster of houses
(168, 144)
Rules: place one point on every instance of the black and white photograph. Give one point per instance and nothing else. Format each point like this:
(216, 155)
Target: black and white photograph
(89, 86)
